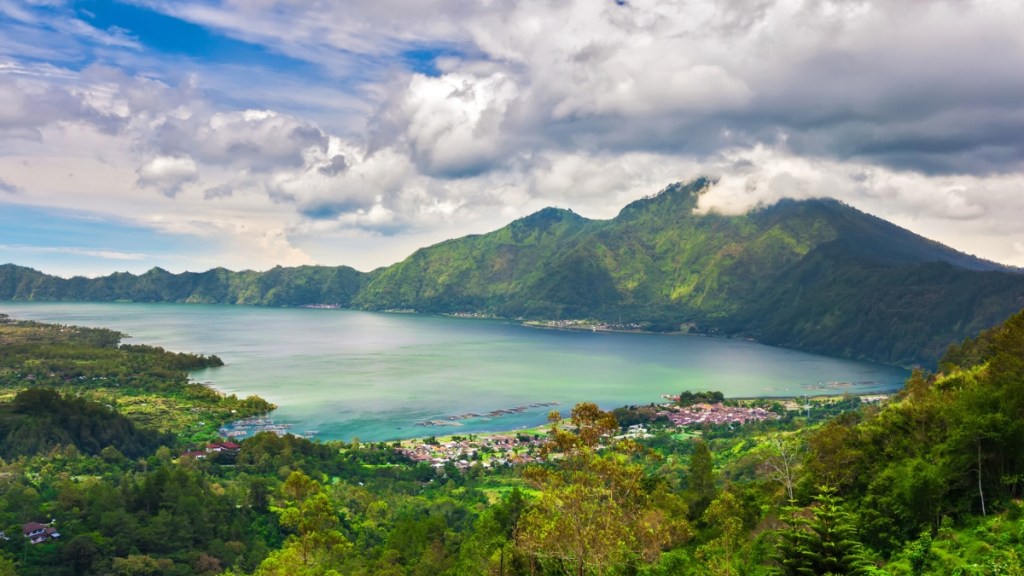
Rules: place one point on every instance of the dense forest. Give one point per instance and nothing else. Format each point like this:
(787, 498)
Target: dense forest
(816, 275)
(928, 482)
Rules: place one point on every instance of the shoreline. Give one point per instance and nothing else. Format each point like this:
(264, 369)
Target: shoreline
(452, 429)
(520, 446)
(582, 326)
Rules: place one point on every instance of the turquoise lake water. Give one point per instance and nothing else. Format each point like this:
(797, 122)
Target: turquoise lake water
(374, 376)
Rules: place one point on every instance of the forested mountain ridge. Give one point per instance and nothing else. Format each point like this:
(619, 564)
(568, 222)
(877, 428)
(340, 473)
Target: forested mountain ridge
(814, 274)
(275, 287)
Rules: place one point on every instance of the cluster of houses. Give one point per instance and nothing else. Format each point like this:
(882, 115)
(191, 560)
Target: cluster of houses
(213, 448)
(587, 325)
(496, 450)
(38, 533)
(505, 449)
(714, 414)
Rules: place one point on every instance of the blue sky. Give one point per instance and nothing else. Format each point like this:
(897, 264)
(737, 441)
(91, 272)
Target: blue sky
(190, 134)
(74, 241)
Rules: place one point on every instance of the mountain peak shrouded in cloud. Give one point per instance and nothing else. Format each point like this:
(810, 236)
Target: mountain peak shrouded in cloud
(253, 134)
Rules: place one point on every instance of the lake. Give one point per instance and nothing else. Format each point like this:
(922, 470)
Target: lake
(375, 376)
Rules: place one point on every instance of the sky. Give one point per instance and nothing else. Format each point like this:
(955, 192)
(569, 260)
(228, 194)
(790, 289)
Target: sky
(191, 134)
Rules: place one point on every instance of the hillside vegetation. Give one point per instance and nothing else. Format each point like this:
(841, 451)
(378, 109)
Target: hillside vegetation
(816, 275)
(275, 287)
(927, 484)
(102, 381)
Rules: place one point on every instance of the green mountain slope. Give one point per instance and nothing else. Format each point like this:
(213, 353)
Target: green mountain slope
(816, 275)
(275, 287)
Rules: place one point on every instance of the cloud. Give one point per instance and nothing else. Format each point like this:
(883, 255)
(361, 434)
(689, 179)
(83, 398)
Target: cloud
(329, 32)
(53, 30)
(335, 166)
(452, 125)
(254, 140)
(600, 185)
(746, 179)
(168, 173)
(222, 191)
(275, 246)
(920, 87)
(8, 188)
(27, 105)
(74, 251)
(388, 120)
(370, 183)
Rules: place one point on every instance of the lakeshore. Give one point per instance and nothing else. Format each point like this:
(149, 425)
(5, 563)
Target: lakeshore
(517, 447)
(595, 326)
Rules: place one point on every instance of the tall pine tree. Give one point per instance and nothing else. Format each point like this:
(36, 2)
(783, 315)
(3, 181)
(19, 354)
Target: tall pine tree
(823, 542)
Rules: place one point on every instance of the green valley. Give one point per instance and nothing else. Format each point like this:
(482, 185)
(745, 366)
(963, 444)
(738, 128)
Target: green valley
(926, 482)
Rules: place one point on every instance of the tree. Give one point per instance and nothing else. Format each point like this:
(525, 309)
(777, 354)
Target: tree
(700, 489)
(81, 553)
(316, 543)
(725, 514)
(834, 456)
(141, 565)
(590, 424)
(490, 547)
(978, 432)
(7, 567)
(820, 541)
(781, 463)
(297, 487)
(594, 510)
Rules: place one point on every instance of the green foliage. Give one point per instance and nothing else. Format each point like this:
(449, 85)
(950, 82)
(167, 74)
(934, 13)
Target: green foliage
(823, 543)
(147, 384)
(700, 490)
(596, 513)
(7, 567)
(316, 544)
(303, 285)
(689, 398)
(39, 420)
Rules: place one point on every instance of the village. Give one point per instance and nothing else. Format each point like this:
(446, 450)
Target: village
(522, 447)
(718, 413)
(463, 451)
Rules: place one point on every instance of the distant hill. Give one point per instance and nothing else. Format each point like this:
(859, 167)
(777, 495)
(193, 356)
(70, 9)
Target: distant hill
(275, 287)
(815, 275)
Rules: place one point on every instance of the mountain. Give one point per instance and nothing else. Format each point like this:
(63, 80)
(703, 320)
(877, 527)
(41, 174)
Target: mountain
(275, 287)
(816, 275)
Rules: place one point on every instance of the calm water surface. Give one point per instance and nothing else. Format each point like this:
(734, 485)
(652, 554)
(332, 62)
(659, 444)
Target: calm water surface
(347, 373)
